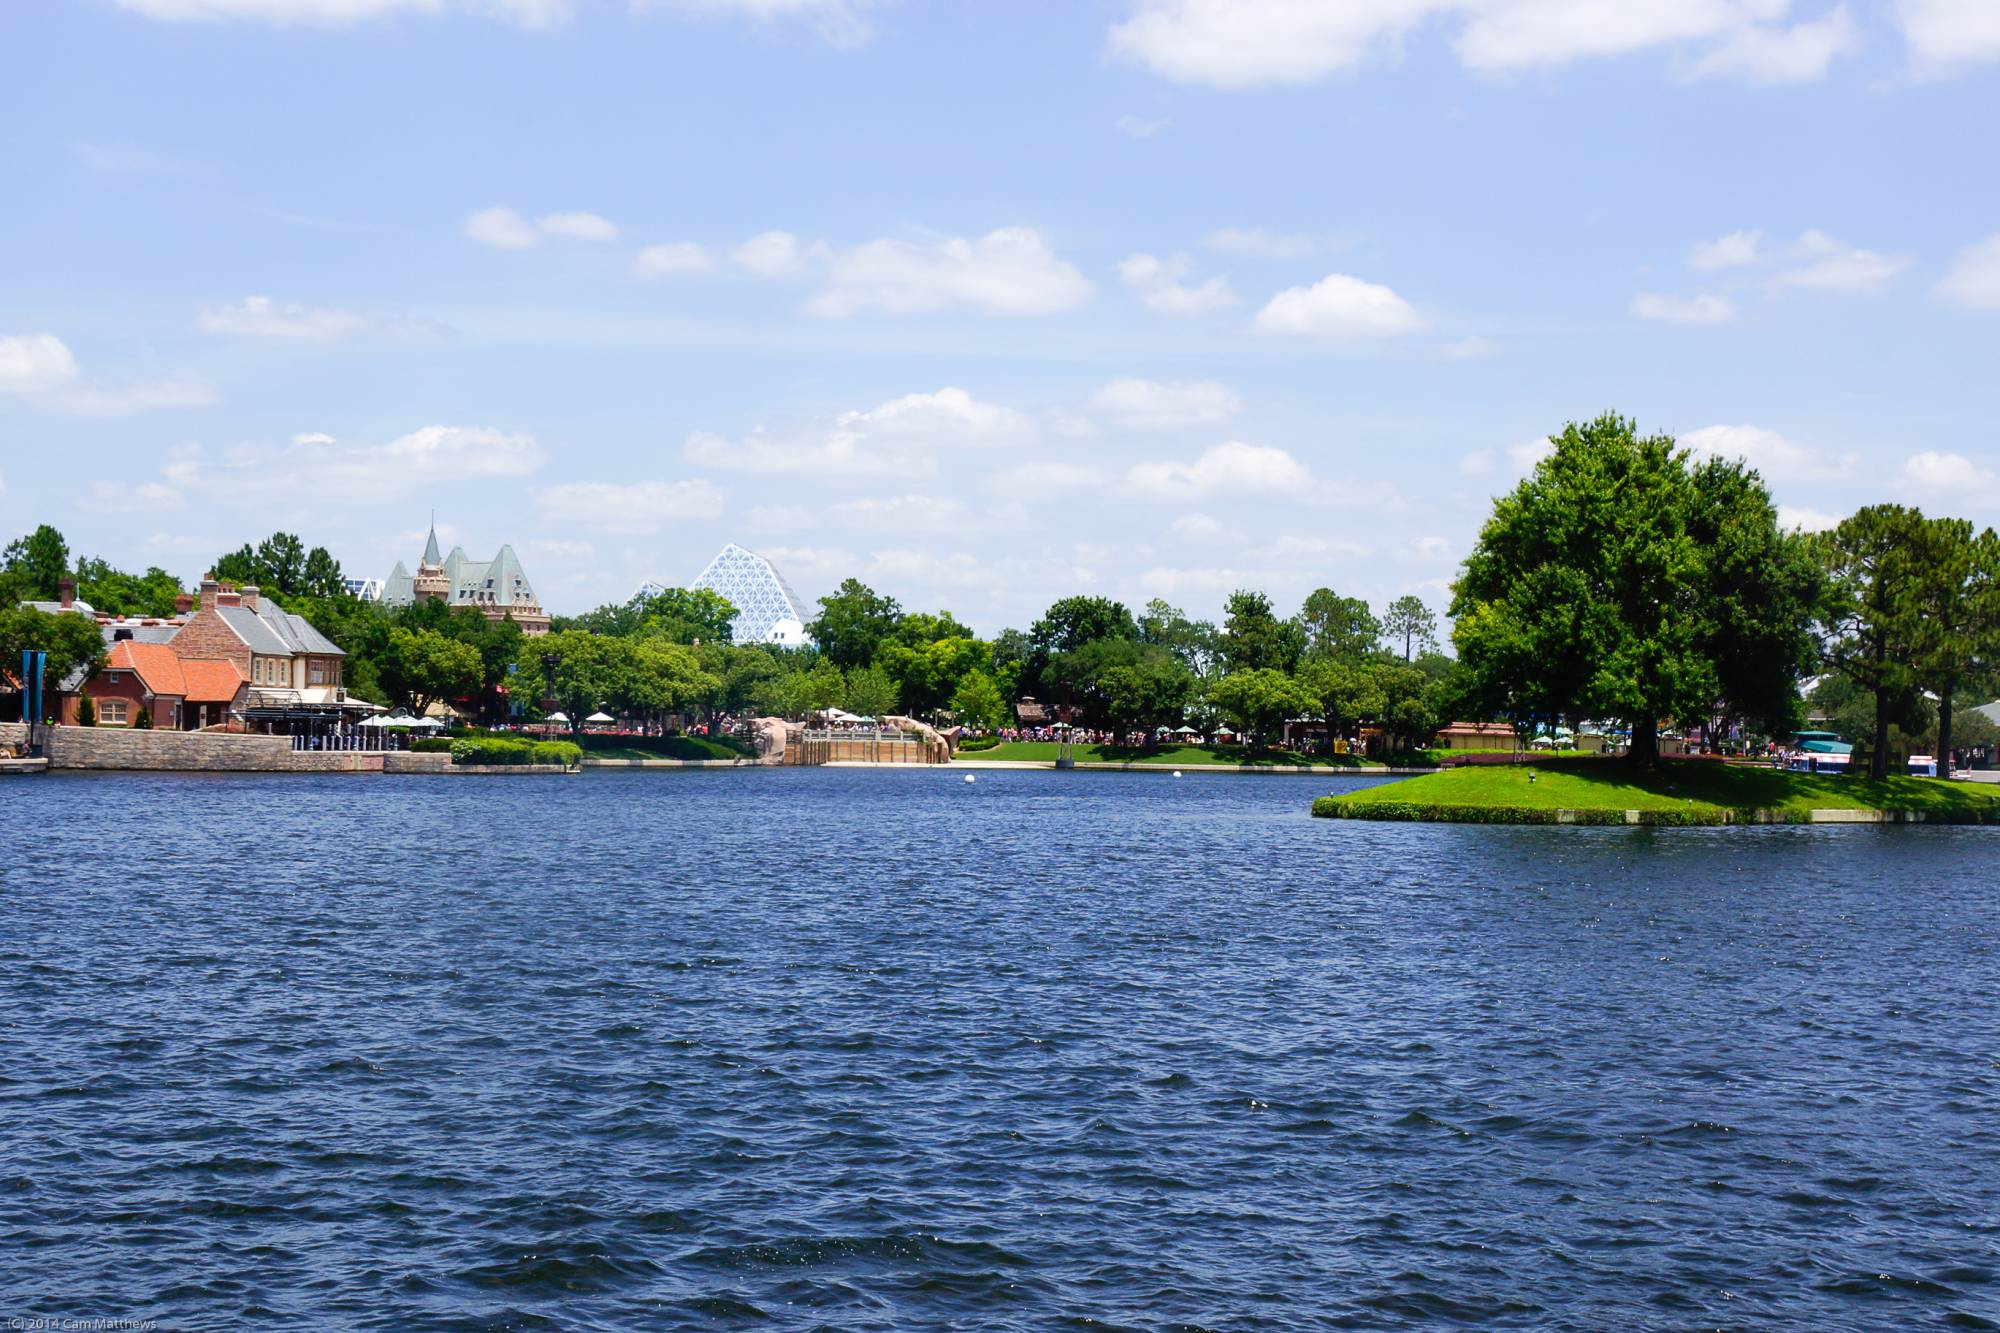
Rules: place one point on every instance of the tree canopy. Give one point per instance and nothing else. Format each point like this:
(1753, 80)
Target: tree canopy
(1594, 588)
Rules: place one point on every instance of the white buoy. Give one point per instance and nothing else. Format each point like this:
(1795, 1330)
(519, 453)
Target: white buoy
(968, 777)
(1177, 772)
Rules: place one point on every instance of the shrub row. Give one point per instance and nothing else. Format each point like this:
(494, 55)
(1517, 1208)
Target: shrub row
(976, 743)
(507, 750)
(1333, 807)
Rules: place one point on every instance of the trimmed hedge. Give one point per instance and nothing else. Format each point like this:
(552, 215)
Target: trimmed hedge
(977, 743)
(506, 750)
(431, 745)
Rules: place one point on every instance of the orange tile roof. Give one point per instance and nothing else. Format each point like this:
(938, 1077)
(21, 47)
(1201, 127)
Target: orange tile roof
(157, 666)
(212, 682)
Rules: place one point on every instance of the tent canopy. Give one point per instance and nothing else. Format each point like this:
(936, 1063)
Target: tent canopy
(557, 717)
(600, 717)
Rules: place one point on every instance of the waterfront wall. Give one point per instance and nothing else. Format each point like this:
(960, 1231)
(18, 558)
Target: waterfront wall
(813, 750)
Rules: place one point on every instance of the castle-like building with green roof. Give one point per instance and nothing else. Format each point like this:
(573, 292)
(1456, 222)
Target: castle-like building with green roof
(499, 587)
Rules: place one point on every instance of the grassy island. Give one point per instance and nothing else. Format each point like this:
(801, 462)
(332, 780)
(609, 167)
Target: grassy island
(1597, 791)
(1165, 756)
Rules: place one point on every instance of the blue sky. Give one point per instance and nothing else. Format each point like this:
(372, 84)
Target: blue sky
(982, 303)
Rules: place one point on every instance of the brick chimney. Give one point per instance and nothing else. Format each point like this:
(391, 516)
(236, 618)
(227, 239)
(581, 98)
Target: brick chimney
(250, 591)
(210, 590)
(183, 604)
(226, 595)
(66, 589)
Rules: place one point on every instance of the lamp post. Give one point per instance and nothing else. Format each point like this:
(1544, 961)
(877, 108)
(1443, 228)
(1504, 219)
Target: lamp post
(550, 661)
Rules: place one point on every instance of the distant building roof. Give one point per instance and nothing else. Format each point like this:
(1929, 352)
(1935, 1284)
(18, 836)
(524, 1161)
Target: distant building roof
(157, 666)
(57, 608)
(211, 682)
(767, 610)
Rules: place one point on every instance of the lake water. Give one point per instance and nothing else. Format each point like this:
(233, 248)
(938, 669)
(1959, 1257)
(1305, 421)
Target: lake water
(885, 1050)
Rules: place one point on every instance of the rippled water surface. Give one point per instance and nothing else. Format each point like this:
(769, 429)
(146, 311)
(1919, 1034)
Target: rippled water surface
(886, 1050)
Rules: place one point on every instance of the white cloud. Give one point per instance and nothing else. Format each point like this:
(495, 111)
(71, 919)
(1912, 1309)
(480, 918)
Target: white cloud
(1262, 243)
(640, 508)
(504, 229)
(1525, 455)
(40, 368)
(1793, 519)
(1048, 478)
(1245, 43)
(1339, 306)
(1827, 265)
(1683, 309)
(1011, 271)
(779, 518)
(903, 437)
(1149, 403)
(1772, 454)
(501, 228)
(1476, 463)
(1945, 34)
(1159, 284)
(674, 259)
(150, 497)
(1242, 43)
(315, 469)
(1518, 34)
(905, 515)
(770, 254)
(1949, 474)
(557, 549)
(1738, 249)
(838, 22)
(261, 317)
(1223, 469)
(1798, 54)
(1198, 528)
(35, 363)
(1133, 127)
(1974, 279)
(578, 227)
(124, 400)
(528, 13)
(1474, 348)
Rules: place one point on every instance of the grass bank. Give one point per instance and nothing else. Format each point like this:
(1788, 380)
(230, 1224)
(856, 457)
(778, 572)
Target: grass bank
(659, 747)
(1171, 756)
(1685, 792)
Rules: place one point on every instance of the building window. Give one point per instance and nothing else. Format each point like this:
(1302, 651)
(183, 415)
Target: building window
(320, 675)
(112, 712)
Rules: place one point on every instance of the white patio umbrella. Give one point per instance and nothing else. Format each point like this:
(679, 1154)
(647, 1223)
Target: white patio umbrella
(557, 717)
(428, 724)
(377, 721)
(600, 717)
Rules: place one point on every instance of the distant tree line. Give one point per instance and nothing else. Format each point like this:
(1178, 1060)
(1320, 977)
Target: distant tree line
(1623, 581)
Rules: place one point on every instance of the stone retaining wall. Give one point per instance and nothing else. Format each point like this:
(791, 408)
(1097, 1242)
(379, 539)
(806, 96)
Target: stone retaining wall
(119, 748)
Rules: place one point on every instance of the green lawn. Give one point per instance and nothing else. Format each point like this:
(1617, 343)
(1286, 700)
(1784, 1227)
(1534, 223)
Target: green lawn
(658, 747)
(1691, 791)
(1178, 756)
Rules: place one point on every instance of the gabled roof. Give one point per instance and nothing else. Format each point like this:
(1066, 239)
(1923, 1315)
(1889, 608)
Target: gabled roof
(211, 682)
(296, 631)
(248, 626)
(156, 665)
(276, 632)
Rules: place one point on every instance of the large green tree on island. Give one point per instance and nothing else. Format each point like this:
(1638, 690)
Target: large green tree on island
(1958, 605)
(1879, 562)
(1619, 581)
